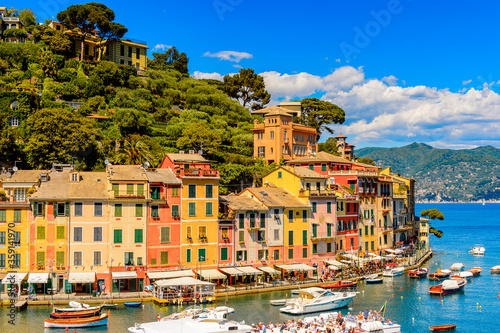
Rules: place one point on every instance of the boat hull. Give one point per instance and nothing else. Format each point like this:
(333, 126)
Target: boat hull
(77, 323)
(394, 272)
(371, 281)
(76, 309)
(443, 328)
(75, 314)
(133, 304)
(311, 308)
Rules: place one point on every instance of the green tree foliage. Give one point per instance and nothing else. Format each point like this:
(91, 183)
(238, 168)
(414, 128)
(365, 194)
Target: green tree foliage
(139, 149)
(432, 214)
(330, 146)
(28, 17)
(58, 135)
(170, 60)
(247, 87)
(57, 41)
(15, 33)
(199, 136)
(365, 160)
(318, 114)
(107, 31)
(130, 121)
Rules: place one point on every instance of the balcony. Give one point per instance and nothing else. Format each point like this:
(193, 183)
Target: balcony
(129, 195)
(198, 172)
(322, 235)
(397, 195)
(361, 190)
(315, 193)
(352, 173)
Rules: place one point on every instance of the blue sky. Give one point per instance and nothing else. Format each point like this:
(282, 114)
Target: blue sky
(404, 71)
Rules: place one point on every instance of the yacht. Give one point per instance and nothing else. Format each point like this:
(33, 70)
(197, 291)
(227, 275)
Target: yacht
(478, 250)
(317, 299)
(191, 325)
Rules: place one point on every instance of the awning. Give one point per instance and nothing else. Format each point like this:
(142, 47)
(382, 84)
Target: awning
(38, 277)
(183, 281)
(297, 267)
(14, 278)
(285, 267)
(335, 263)
(124, 275)
(249, 270)
(268, 269)
(211, 274)
(232, 271)
(170, 274)
(304, 267)
(81, 277)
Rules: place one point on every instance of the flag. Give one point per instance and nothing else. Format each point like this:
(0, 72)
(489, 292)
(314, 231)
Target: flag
(158, 316)
(51, 303)
(382, 309)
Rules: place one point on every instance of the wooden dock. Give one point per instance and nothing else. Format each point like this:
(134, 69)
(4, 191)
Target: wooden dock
(21, 305)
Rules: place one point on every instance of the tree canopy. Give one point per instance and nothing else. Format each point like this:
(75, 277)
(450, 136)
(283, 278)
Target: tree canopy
(247, 87)
(170, 60)
(318, 114)
(433, 214)
(330, 146)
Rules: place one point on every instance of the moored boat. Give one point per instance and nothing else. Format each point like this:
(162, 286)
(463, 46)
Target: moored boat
(462, 275)
(418, 273)
(448, 287)
(133, 304)
(476, 271)
(477, 250)
(339, 285)
(76, 314)
(278, 301)
(101, 320)
(77, 309)
(192, 325)
(110, 306)
(443, 328)
(440, 274)
(374, 278)
(495, 269)
(316, 299)
(457, 267)
(393, 271)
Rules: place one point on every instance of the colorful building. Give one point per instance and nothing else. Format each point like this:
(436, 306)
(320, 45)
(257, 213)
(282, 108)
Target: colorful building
(11, 28)
(384, 216)
(199, 208)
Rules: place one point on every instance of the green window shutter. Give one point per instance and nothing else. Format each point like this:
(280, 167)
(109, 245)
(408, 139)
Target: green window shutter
(245, 255)
(328, 207)
(202, 255)
(241, 236)
(290, 237)
(315, 230)
(118, 210)
(40, 258)
(40, 232)
(192, 191)
(59, 258)
(130, 188)
(140, 190)
(323, 167)
(366, 230)
(153, 261)
(3, 215)
(304, 252)
(315, 207)
(262, 220)
(17, 215)
(241, 219)
(192, 209)
(329, 229)
(66, 209)
(223, 253)
(60, 232)
(35, 209)
(290, 253)
(209, 191)
(188, 255)
(290, 216)
(164, 258)
(304, 216)
(175, 210)
(138, 235)
(175, 191)
(371, 230)
(208, 209)
(304, 237)
(311, 167)
(138, 210)
(165, 235)
(116, 189)
(154, 212)
(117, 236)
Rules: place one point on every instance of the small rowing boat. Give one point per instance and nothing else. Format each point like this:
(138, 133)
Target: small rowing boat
(101, 320)
(440, 274)
(374, 278)
(476, 271)
(448, 287)
(418, 273)
(110, 306)
(338, 285)
(76, 309)
(76, 314)
(462, 275)
(442, 328)
(133, 304)
(495, 269)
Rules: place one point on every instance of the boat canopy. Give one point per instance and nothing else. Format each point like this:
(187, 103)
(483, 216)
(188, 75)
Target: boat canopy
(457, 266)
(81, 277)
(38, 277)
(449, 284)
(211, 274)
(170, 274)
(182, 281)
(268, 269)
(14, 278)
(124, 275)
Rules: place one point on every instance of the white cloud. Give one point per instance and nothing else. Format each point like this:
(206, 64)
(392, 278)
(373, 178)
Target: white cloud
(159, 47)
(466, 82)
(229, 55)
(213, 76)
(390, 80)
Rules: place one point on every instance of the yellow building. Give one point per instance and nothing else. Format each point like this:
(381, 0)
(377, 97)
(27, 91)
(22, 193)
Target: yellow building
(384, 214)
(199, 208)
(11, 28)
(14, 220)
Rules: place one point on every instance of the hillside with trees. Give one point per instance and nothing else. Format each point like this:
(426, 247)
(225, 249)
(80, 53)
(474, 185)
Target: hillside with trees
(444, 175)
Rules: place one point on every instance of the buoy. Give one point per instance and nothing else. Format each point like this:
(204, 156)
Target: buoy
(480, 307)
(477, 304)
(413, 319)
(66, 329)
(401, 297)
(391, 285)
(401, 288)
(498, 296)
(392, 295)
(442, 300)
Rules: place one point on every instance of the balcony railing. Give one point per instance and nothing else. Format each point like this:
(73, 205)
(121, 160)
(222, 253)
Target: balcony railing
(396, 195)
(353, 172)
(197, 172)
(322, 192)
(322, 235)
(129, 195)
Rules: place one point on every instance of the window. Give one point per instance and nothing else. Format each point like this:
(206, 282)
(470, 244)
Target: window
(328, 207)
(372, 245)
(314, 231)
(188, 232)
(341, 245)
(304, 237)
(130, 51)
(74, 177)
(225, 233)
(290, 237)
(304, 216)
(17, 260)
(241, 221)
(188, 255)
(78, 209)
(304, 252)
(40, 232)
(279, 174)
(202, 232)
(77, 234)
(175, 191)
(97, 208)
(97, 258)
(155, 192)
(366, 230)
(260, 136)
(323, 167)
(17, 215)
(276, 254)
(130, 189)
(60, 259)
(329, 230)
(328, 247)
(272, 134)
(2, 237)
(140, 193)
(241, 236)
(118, 210)
(371, 229)
(261, 151)
(97, 234)
(202, 255)
(175, 210)
(137, 53)
(3, 215)
(290, 253)
(117, 236)
(38, 209)
(311, 167)
(241, 255)
(276, 234)
(165, 235)
(139, 261)
(138, 210)
(192, 191)
(153, 261)
(223, 253)
(208, 209)
(290, 216)
(209, 191)
(138, 235)
(164, 257)
(262, 255)
(261, 236)
(129, 258)
(192, 208)
(154, 212)
(315, 207)
(385, 239)
(262, 220)
(77, 258)
(116, 189)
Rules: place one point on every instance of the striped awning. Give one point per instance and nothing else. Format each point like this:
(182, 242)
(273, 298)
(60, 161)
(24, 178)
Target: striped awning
(124, 275)
(38, 277)
(268, 269)
(170, 274)
(81, 277)
(232, 271)
(211, 274)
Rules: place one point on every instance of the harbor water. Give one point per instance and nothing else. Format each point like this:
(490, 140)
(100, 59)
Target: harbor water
(475, 309)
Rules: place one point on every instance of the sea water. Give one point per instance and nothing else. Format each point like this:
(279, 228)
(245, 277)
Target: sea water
(476, 309)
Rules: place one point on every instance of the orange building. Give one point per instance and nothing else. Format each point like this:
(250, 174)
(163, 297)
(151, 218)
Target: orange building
(278, 137)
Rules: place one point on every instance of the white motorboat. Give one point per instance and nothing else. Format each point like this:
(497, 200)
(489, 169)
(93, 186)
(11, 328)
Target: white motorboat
(393, 271)
(220, 312)
(75, 306)
(462, 275)
(316, 299)
(477, 250)
(457, 267)
(278, 301)
(191, 325)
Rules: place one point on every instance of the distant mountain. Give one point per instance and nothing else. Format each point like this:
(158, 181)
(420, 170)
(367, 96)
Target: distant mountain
(444, 175)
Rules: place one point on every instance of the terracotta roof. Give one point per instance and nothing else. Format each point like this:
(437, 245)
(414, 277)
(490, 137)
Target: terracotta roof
(320, 157)
(23, 176)
(275, 110)
(55, 188)
(341, 136)
(127, 172)
(91, 185)
(187, 158)
(237, 202)
(276, 197)
(165, 176)
(306, 173)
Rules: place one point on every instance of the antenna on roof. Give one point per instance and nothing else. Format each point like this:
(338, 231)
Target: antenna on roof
(146, 165)
(15, 169)
(200, 152)
(106, 161)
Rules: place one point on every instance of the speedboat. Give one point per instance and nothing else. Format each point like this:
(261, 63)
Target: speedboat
(391, 271)
(192, 325)
(77, 307)
(316, 299)
(457, 266)
(418, 273)
(448, 286)
(477, 250)
(101, 320)
(440, 274)
(374, 278)
(339, 285)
